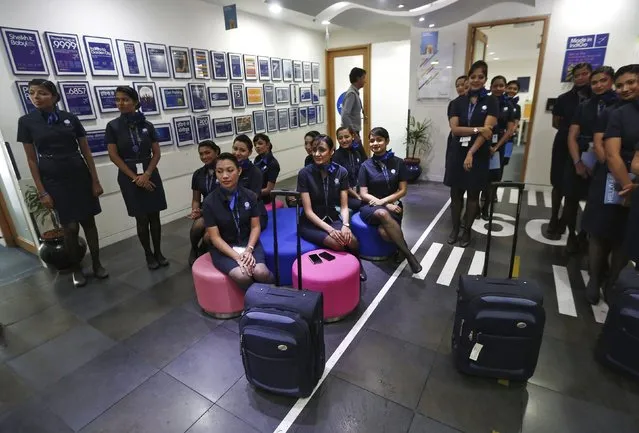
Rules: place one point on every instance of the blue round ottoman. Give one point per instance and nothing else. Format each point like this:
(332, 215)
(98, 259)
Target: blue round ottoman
(286, 242)
(371, 245)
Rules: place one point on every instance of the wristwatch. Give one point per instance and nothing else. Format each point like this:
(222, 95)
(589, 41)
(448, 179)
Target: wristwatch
(475, 130)
(346, 225)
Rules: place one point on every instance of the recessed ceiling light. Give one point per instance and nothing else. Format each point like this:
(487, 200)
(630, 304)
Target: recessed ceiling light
(434, 63)
(275, 8)
(430, 26)
(325, 22)
(495, 58)
(449, 67)
(400, 6)
(491, 54)
(421, 19)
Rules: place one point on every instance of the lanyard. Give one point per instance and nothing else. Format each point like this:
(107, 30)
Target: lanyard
(600, 108)
(325, 184)
(471, 110)
(236, 214)
(385, 173)
(135, 139)
(209, 180)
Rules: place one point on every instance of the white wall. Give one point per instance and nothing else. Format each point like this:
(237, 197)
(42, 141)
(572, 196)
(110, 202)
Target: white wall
(511, 69)
(189, 23)
(343, 37)
(568, 18)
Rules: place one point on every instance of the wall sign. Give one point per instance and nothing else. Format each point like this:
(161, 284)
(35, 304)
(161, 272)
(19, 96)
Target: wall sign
(106, 98)
(131, 59)
(184, 130)
(101, 56)
(25, 51)
(77, 98)
(587, 48)
(66, 54)
(97, 141)
(23, 92)
(434, 71)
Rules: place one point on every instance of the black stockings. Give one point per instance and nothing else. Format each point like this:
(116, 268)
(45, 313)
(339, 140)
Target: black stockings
(150, 229)
(393, 232)
(71, 234)
(569, 216)
(197, 233)
(598, 252)
(456, 206)
(556, 203)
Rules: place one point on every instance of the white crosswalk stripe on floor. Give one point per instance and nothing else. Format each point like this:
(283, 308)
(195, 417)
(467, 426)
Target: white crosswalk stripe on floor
(447, 274)
(428, 260)
(565, 300)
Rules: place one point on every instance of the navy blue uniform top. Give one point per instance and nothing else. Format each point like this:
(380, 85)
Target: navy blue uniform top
(269, 167)
(204, 180)
(231, 214)
(566, 106)
(382, 178)
(506, 114)
(516, 110)
(58, 138)
(486, 106)
(587, 117)
(324, 193)
(251, 178)
(127, 136)
(623, 124)
(351, 159)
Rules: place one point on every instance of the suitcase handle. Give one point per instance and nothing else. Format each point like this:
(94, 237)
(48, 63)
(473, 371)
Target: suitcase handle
(285, 193)
(494, 185)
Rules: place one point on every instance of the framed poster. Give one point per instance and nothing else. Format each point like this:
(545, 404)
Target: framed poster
(254, 96)
(295, 94)
(180, 63)
(105, 96)
(259, 121)
(237, 95)
(223, 127)
(244, 124)
(303, 116)
(315, 94)
(320, 114)
(148, 94)
(236, 66)
(287, 70)
(203, 127)
(184, 130)
(164, 132)
(220, 69)
(315, 72)
(158, 60)
(219, 97)
(305, 94)
(276, 69)
(174, 98)
(312, 115)
(96, 138)
(282, 95)
(282, 118)
(101, 56)
(201, 64)
(25, 51)
(269, 95)
(250, 67)
(197, 93)
(306, 72)
(23, 93)
(131, 59)
(66, 54)
(271, 120)
(264, 67)
(297, 70)
(77, 99)
(293, 117)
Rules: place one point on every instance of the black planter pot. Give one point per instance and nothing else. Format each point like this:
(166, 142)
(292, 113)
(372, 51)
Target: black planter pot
(54, 253)
(414, 169)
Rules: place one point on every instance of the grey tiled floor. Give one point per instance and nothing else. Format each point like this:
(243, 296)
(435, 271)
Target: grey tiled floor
(134, 354)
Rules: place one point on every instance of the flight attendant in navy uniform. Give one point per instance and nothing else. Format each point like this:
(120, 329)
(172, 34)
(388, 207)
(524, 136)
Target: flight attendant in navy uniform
(606, 223)
(461, 87)
(512, 89)
(232, 216)
(350, 155)
(472, 120)
(203, 182)
(250, 176)
(383, 182)
(562, 114)
(65, 181)
(323, 187)
(267, 163)
(134, 149)
(578, 171)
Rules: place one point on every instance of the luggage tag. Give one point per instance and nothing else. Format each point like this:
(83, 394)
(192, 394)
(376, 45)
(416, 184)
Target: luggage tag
(508, 150)
(474, 354)
(139, 169)
(589, 158)
(495, 163)
(464, 141)
(239, 250)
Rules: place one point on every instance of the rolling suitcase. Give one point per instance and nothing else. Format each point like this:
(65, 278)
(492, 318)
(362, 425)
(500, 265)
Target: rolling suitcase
(499, 323)
(282, 331)
(618, 343)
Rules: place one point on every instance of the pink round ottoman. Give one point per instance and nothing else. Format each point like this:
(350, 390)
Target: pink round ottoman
(338, 280)
(217, 293)
(278, 205)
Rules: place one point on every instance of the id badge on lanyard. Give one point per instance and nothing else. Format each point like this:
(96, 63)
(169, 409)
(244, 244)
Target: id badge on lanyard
(325, 187)
(135, 140)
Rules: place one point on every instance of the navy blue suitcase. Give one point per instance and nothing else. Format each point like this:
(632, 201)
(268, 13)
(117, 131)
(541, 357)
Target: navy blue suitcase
(618, 343)
(499, 323)
(282, 332)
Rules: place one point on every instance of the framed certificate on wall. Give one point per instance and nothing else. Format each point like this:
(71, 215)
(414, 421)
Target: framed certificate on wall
(66, 54)
(77, 99)
(101, 56)
(131, 58)
(25, 51)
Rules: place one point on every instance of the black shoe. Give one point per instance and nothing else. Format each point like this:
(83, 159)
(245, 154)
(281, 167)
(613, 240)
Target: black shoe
(572, 245)
(162, 261)
(592, 292)
(583, 242)
(552, 230)
(151, 262)
(415, 266)
(453, 236)
(398, 257)
(465, 239)
(79, 280)
(99, 272)
(484, 214)
(193, 256)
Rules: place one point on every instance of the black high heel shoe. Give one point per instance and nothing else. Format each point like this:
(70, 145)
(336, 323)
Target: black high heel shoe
(162, 261)
(465, 239)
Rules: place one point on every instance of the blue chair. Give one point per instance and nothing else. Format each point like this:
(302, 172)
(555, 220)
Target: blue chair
(371, 245)
(287, 243)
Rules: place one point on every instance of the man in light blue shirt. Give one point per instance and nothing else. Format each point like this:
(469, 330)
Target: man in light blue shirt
(352, 106)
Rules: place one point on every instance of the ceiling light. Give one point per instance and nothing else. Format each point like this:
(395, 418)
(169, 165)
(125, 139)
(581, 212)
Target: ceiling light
(275, 8)
(325, 22)
(449, 67)
(495, 58)
(421, 19)
(491, 54)
(434, 63)
(400, 6)
(421, 8)
(430, 26)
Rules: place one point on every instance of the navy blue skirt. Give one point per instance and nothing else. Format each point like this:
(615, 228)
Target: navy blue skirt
(313, 234)
(226, 264)
(367, 213)
(575, 187)
(457, 177)
(140, 202)
(559, 157)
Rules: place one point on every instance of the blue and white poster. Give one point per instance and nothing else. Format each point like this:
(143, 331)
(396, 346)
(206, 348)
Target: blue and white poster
(164, 133)
(97, 142)
(587, 48)
(203, 127)
(174, 98)
(65, 53)
(106, 98)
(198, 97)
(101, 56)
(236, 66)
(223, 127)
(184, 130)
(148, 98)
(230, 17)
(23, 92)
(25, 51)
(77, 99)
(157, 59)
(428, 44)
(220, 72)
(131, 59)
(435, 68)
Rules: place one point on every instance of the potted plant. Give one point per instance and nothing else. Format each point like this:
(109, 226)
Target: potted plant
(52, 248)
(418, 144)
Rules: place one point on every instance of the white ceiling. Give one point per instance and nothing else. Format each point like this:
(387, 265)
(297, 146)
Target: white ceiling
(514, 42)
